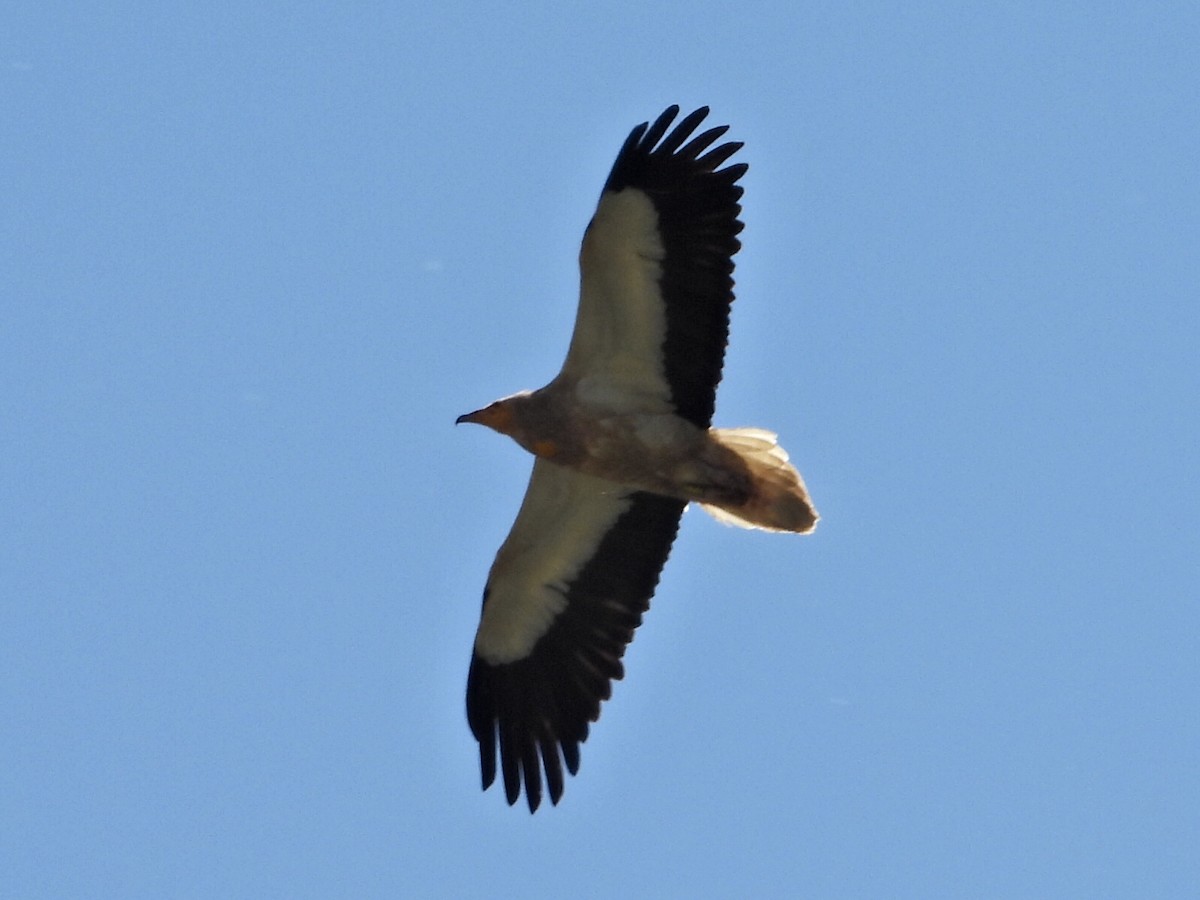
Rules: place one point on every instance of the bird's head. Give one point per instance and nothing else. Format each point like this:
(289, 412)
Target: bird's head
(500, 416)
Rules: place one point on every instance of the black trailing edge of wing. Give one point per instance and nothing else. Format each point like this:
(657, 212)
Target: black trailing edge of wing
(698, 206)
(536, 710)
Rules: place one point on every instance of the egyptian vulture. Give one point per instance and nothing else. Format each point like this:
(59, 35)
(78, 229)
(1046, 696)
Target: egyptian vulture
(622, 443)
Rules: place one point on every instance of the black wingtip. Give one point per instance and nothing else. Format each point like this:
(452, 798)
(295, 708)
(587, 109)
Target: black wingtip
(487, 765)
(655, 132)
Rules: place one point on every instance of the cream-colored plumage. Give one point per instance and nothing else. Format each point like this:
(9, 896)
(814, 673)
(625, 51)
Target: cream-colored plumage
(740, 475)
(623, 443)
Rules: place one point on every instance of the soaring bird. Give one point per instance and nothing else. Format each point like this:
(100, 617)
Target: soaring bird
(622, 443)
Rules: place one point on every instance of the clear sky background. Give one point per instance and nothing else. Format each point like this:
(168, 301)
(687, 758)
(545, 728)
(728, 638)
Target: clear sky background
(254, 260)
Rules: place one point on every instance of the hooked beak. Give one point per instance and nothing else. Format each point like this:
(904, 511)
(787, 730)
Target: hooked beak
(497, 416)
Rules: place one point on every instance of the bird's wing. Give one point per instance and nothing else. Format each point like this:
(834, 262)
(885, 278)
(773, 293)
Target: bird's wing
(656, 272)
(567, 590)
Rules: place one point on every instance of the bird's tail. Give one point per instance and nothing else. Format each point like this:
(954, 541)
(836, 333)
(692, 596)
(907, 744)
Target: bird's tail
(778, 499)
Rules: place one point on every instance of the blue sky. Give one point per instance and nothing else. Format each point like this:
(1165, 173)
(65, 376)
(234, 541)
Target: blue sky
(253, 262)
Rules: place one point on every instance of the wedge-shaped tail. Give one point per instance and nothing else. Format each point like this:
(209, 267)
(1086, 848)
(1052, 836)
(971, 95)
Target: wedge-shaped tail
(779, 500)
